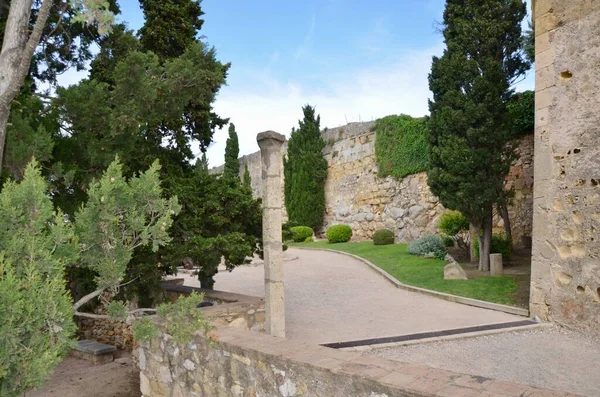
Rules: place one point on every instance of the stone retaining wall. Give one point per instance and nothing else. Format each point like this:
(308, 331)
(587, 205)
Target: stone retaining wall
(357, 196)
(250, 364)
(112, 332)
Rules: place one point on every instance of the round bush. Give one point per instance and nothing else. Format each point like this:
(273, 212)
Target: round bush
(301, 233)
(427, 245)
(500, 245)
(339, 234)
(383, 237)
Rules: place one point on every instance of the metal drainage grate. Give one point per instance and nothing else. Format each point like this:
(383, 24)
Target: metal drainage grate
(426, 335)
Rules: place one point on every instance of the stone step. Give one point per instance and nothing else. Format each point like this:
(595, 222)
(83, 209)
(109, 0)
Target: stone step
(98, 353)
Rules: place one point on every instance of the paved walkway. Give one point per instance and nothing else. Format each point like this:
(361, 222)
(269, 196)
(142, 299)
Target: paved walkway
(331, 297)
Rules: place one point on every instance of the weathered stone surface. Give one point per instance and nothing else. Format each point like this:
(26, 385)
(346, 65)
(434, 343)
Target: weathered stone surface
(244, 363)
(357, 196)
(453, 271)
(272, 164)
(566, 216)
(496, 268)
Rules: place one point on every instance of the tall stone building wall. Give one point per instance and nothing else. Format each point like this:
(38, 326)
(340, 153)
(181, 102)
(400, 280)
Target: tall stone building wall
(357, 196)
(565, 285)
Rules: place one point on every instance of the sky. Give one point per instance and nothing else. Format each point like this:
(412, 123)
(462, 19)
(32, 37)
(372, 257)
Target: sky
(355, 60)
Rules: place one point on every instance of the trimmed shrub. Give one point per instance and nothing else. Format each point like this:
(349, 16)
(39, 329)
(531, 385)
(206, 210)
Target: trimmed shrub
(286, 232)
(426, 245)
(309, 240)
(339, 234)
(383, 237)
(455, 226)
(500, 245)
(301, 233)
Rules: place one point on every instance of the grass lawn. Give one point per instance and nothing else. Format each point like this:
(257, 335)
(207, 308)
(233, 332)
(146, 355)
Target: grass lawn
(425, 273)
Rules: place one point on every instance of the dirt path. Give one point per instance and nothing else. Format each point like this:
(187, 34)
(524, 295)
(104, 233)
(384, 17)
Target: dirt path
(331, 297)
(79, 378)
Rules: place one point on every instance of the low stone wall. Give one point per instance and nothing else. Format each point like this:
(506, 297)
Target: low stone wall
(233, 310)
(112, 332)
(246, 363)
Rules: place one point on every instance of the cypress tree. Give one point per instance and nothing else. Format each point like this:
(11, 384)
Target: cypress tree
(247, 179)
(471, 85)
(305, 171)
(232, 151)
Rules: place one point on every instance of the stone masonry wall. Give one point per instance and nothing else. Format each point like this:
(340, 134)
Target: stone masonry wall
(249, 364)
(357, 196)
(565, 279)
(113, 332)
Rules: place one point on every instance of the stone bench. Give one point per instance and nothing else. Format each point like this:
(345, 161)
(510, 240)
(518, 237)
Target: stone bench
(98, 353)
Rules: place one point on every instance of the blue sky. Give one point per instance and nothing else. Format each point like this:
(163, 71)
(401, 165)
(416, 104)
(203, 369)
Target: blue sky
(355, 60)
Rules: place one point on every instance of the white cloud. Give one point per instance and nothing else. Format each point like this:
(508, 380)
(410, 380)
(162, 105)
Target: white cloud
(398, 86)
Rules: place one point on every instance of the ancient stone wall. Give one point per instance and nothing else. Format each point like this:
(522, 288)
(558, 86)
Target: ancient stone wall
(357, 196)
(113, 332)
(565, 280)
(249, 364)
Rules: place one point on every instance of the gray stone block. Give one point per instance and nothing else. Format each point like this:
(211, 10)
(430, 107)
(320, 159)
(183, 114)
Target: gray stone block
(93, 347)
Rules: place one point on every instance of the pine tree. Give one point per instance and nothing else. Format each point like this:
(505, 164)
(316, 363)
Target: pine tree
(232, 151)
(247, 179)
(305, 170)
(471, 85)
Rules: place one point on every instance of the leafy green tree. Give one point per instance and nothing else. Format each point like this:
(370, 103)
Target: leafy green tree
(19, 46)
(305, 170)
(471, 84)
(232, 151)
(36, 246)
(219, 219)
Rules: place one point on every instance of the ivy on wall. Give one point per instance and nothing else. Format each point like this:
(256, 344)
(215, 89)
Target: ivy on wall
(521, 113)
(401, 147)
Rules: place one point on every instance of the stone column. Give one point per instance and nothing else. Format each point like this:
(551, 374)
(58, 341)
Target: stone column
(270, 144)
(496, 269)
(565, 280)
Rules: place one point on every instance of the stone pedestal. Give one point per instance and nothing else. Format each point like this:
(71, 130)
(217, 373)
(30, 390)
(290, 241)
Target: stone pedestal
(272, 163)
(496, 267)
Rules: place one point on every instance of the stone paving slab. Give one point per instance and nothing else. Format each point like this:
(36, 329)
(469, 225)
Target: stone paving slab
(93, 347)
(332, 297)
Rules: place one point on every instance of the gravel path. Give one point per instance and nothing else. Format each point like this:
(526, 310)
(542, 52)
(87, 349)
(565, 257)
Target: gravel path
(552, 358)
(331, 297)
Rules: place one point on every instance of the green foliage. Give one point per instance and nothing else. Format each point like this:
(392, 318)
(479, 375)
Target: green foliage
(338, 234)
(469, 134)
(427, 245)
(247, 180)
(116, 309)
(301, 233)
(170, 26)
(401, 146)
(286, 230)
(453, 223)
(309, 240)
(529, 42)
(144, 329)
(501, 244)
(183, 318)
(384, 237)
(232, 151)
(305, 170)
(521, 113)
(36, 311)
(219, 218)
(121, 216)
(447, 240)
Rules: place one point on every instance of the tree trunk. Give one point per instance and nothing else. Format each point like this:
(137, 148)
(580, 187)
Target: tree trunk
(485, 242)
(503, 209)
(474, 232)
(18, 47)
